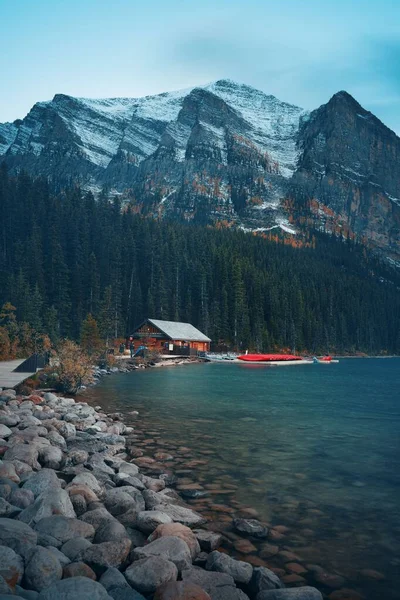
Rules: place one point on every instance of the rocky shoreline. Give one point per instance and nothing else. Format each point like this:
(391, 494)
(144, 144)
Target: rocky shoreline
(79, 519)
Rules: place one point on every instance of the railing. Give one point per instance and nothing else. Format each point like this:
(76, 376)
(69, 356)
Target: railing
(33, 363)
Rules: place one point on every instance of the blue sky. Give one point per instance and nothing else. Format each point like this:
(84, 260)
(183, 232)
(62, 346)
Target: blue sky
(302, 51)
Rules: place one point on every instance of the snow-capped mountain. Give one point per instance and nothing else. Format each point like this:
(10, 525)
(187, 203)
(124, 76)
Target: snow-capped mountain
(224, 152)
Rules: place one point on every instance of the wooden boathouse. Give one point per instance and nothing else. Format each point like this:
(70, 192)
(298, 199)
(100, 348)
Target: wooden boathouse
(170, 337)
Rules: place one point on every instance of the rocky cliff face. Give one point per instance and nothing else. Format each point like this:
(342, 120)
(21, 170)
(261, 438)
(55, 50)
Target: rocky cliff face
(348, 174)
(223, 153)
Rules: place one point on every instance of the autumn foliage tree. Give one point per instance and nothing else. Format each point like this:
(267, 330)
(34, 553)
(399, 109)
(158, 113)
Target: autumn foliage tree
(72, 367)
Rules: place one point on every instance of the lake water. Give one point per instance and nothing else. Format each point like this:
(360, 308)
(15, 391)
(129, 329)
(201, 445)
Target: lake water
(312, 448)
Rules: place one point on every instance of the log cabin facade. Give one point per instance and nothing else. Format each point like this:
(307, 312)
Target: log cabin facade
(170, 337)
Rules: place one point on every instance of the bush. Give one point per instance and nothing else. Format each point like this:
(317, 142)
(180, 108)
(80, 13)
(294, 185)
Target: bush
(71, 367)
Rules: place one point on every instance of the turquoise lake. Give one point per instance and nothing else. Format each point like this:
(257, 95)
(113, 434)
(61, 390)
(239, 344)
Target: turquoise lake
(312, 448)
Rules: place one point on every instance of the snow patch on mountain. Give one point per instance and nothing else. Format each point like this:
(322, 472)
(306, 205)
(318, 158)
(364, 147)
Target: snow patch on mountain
(274, 124)
(8, 133)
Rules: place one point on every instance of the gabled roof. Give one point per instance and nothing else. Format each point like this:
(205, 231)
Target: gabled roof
(179, 331)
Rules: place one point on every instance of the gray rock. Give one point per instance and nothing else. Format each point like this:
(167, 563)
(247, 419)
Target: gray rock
(67, 430)
(208, 540)
(51, 457)
(125, 594)
(148, 520)
(63, 560)
(132, 481)
(264, 579)
(50, 399)
(137, 538)
(75, 548)
(128, 518)
(43, 481)
(21, 468)
(77, 456)
(7, 471)
(251, 527)
(181, 514)
(56, 439)
(22, 498)
(75, 588)
(4, 588)
(52, 502)
(110, 531)
(120, 500)
(7, 487)
(97, 517)
(26, 594)
(112, 578)
(79, 503)
(26, 453)
(18, 536)
(147, 574)
(90, 480)
(128, 468)
(239, 570)
(220, 586)
(11, 566)
(172, 548)
(5, 432)
(42, 569)
(9, 420)
(107, 554)
(303, 593)
(62, 529)
(7, 509)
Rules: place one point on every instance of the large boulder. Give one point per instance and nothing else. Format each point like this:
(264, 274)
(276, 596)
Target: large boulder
(51, 457)
(239, 570)
(42, 569)
(172, 548)
(180, 531)
(60, 529)
(78, 569)
(11, 566)
(90, 481)
(302, 593)
(208, 540)
(8, 471)
(75, 588)
(52, 502)
(43, 481)
(75, 548)
(122, 499)
(18, 536)
(180, 590)
(113, 578)
(148, 520)
(220, 586)
(27, 453)
(125, 594)
(110, 531)
(5, 432)
(181, 514)
(264, 579)
(107, 554)
(148, 574)
(251, 527)
(97, 517)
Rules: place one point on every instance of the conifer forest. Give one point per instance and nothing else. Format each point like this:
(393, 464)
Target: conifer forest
(65, 255)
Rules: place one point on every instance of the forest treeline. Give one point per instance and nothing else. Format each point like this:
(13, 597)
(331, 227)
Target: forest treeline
(66, 255)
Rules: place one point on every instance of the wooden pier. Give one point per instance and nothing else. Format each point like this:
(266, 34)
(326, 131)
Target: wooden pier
(8, 377)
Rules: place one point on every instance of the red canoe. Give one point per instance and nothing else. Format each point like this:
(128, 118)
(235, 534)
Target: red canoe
(268, 357)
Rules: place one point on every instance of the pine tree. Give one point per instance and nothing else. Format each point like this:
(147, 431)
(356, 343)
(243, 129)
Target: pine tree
(90, 336)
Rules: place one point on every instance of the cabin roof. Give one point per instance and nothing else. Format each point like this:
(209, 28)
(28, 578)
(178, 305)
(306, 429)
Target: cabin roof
(179, 331)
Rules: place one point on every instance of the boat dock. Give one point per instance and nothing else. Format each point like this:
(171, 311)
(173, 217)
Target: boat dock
(14, 372)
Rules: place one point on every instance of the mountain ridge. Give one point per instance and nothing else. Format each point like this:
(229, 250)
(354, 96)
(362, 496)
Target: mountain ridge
(223, 152)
